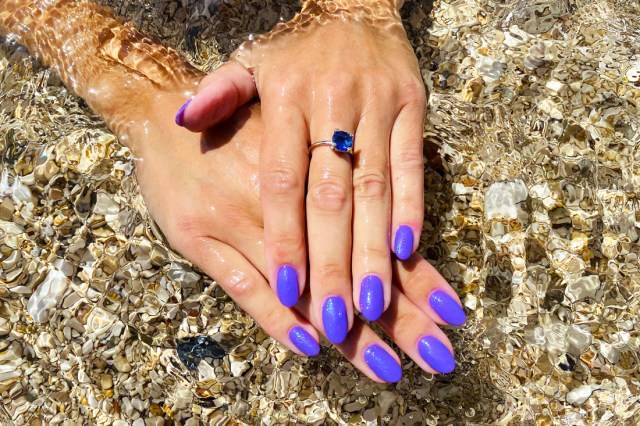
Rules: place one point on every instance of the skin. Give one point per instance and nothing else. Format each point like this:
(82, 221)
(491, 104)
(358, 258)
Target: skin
(352, 69)
(220, 229)
(203, 188)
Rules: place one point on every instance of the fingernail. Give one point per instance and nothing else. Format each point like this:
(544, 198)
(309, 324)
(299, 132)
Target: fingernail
(403, 243)
(371, 297)
(383, 364)
(287, 285)
(304, 341)
(436, 354)
(334, 319)
(447, 308)
(180, 114)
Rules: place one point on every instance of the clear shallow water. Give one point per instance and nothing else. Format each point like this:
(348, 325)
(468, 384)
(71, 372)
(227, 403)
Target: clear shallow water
(532, 214)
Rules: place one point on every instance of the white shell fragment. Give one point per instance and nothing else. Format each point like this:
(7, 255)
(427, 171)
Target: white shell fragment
(47, 295)
(502, 200)
(580, 394)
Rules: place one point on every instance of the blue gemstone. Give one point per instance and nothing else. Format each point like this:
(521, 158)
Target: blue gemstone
(343, 141)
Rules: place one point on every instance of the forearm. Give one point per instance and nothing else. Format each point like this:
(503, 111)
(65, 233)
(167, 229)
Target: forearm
(110, 64)
(63, 34)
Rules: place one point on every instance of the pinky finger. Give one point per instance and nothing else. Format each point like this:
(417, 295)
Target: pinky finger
(407, 178)
(248, 288)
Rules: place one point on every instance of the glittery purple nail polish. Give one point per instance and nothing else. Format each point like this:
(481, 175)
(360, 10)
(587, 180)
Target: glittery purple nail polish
(334, 319)
(436, 354)
(447, 308)
(403, 242)
(287, 285)
(180, 114)
(382, 364)
(304, 341)
(371, 297)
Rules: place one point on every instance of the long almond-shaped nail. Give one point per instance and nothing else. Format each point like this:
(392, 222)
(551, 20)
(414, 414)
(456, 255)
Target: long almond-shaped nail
(334, 319)
(287, 285)
(447, 308)
(180, 114)
(403, 242)
(382, 363)
(304, 341)
(436, 354)
(371, 297)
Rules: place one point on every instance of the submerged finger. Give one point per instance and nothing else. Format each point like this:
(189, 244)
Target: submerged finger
(248, 288)
(417, 335)
(220, 94)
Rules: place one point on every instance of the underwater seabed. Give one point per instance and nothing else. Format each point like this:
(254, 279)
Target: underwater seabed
(533, 148)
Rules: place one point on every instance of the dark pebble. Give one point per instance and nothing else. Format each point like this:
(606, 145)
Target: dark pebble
(193, 350)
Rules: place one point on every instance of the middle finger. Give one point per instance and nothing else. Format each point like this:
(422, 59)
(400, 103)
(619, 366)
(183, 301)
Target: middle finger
(371, 216)
(329, 208)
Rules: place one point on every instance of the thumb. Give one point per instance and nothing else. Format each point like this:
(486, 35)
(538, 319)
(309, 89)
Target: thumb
(220, 94)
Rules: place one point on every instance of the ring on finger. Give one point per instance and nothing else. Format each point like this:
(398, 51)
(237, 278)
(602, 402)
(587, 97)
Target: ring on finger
(341, 141)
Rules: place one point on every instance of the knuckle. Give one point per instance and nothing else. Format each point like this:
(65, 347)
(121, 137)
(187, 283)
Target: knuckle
(290, 90)
(375, 255)
(328, 194)
(410, 158)
(340, 82)
(332, 272)
(182, 230)
(286, 246)
(371, 185)
(275, 323)
(413, 93)
(280, 180)
(380, 87)
(240, 286)
(286, 88)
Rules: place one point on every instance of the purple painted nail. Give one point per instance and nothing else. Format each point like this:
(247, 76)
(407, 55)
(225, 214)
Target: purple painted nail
(304, 341)
(371, 297)
(287, 285)
(436, 354)
(383, 364)
(403, 243)
(334, 319)
(447, 308)
(180, 114)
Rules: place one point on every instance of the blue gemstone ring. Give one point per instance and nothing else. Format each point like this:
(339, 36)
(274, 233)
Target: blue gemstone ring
(341, 141)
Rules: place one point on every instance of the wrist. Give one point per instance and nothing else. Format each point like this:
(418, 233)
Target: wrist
(382, 4)
(376, 10)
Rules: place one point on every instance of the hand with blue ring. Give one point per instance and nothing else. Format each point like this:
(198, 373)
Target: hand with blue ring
(220, 229)
(338, 68)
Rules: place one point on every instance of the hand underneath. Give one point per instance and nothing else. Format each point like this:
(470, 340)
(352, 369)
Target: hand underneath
(348, 67)
(203, 193)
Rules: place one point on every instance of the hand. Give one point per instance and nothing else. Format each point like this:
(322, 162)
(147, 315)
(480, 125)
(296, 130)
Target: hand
(351, 69)
(205, 197)
(202, 190)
